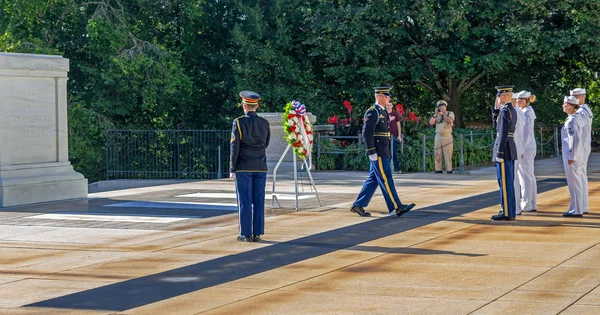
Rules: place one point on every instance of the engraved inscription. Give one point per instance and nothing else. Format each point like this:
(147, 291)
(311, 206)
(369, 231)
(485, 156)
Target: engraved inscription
(33, 133)
(28, 116)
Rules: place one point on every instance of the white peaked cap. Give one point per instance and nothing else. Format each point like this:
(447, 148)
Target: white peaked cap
(578, 91)
(524, 94)
(571, 100)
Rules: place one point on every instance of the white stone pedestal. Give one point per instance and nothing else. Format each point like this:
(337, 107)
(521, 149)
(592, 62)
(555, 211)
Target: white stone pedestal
(34, 159)
(278, 144)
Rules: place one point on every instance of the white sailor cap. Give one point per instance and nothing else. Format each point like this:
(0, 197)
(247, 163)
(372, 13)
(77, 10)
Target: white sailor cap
(577, 91)
(524, 94)
(517, 94)
(571, 100)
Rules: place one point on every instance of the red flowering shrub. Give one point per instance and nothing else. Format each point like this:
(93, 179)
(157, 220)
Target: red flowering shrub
(412, 116)
(333, 120)
(348, 107)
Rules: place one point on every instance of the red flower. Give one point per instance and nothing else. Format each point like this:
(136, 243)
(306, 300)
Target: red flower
(333, 120)
(405, 118)
(401, 112)
(290, 116)
(362, 120)
(292, 128)
(348, 107)
(400, 108)
(345, 121)
(412, 116)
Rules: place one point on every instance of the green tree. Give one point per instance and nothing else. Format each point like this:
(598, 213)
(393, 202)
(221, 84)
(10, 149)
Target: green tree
(270, 57)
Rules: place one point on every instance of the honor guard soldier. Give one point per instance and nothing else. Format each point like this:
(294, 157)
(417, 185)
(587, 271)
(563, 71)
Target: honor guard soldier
(250, 137)
(505, 151)
(376, 136)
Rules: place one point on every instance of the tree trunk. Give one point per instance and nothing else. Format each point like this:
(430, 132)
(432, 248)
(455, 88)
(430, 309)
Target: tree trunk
(454, 106)
(451, 92)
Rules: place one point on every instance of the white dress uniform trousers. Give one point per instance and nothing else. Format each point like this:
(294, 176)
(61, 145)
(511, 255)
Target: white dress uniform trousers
(525, 170)
(518, 137)
(586, 114)
(572, 149)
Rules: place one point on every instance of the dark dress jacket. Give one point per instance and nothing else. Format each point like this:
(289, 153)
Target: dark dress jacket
(376, 132)
(505, 122)
(250, 136)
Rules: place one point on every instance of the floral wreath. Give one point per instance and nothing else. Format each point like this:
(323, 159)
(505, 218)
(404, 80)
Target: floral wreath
(299, 136)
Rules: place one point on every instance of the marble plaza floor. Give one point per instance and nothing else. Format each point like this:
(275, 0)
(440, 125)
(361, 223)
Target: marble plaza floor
(172, 249)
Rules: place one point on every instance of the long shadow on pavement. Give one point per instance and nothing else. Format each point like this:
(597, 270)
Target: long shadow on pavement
(153, 288)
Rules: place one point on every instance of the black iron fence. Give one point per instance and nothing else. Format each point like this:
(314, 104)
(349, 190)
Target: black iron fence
(471, 148)
(167, 154)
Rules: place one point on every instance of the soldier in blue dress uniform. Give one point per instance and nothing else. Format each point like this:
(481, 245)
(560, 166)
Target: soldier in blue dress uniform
(504, 118)
(250, 137)
(376, 136)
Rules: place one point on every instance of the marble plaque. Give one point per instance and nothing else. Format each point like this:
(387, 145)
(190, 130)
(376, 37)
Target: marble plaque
(34, 156)
(28, 115)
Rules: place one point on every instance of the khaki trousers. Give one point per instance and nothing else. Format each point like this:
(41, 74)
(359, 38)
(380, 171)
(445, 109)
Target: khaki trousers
(443, 147)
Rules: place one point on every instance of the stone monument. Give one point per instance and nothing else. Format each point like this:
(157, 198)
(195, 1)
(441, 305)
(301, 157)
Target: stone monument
(278, 144)
(34, 159)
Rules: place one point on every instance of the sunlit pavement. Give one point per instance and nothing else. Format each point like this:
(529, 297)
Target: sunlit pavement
(172, 249)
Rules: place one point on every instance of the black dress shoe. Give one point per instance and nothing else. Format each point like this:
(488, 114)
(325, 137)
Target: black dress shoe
(360, 211)
(449, 172)
(243, 238)
(438, 172)
(571, 215)
(534, 210)
(256, 238)
(404, 209)
(501, 217)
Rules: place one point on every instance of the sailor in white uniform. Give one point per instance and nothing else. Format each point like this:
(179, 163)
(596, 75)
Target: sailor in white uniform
(526, 159)
(587, 116)
(518, 135)
(573, 155)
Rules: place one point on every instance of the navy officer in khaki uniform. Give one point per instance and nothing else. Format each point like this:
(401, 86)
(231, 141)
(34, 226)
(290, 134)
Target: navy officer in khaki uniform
(504, 118)
(376, 135)
(250, 137)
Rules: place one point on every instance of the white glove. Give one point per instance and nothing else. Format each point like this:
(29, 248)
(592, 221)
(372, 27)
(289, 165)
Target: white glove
(373, 157)
(499, 160)
(232, 176)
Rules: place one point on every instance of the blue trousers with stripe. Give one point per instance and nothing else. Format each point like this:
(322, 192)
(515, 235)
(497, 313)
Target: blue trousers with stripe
(251, 202)
(505, 172)
(380, 175)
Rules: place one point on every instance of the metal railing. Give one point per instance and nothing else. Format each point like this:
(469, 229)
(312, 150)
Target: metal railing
(167, 154)
(472, 147)
(319, 147)
(547, 141)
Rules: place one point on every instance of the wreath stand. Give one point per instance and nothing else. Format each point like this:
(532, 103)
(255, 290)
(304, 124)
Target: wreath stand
(306, 165)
